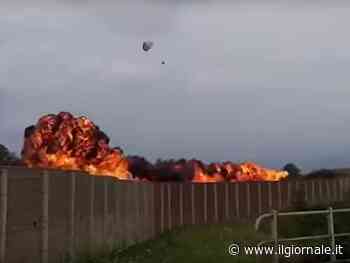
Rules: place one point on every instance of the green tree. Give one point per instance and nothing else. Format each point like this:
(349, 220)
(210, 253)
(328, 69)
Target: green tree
(6, 156)
(292, 169)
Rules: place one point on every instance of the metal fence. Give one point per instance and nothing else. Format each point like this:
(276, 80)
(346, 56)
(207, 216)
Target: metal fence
(275, 238)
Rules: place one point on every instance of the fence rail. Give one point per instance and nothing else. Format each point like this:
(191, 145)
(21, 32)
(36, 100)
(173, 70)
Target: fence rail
(274, 228)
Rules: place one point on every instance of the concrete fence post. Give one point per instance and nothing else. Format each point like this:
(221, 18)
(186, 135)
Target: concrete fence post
(162, 213)
(152, 197)
(205, 203)
(150, 212)
(279, 195)
(306, 192)
(169, 206)
(319, 192)
(105, 209)
(3, 215)
(116, 221)
(193, 211)
(127, 211)
(331, 188)
(181, 204)
(248, 199)
(91, 212)
(216, 210)
(237, 199)
(144, 211)
(341, 190)
(259, 198)
(296, 194)
(335, 190)
(72, 215)
(136, 214)
(289, 194)
(146, 215)
(270, 194)
(139, 213)
(328, 189)
(45, 218)
(227, 214)
(142, 218)
(313, 192)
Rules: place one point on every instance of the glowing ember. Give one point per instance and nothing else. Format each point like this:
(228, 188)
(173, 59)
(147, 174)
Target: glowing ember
(68, 143)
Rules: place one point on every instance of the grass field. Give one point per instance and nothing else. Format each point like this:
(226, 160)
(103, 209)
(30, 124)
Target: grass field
(209, 243)
(198, 244)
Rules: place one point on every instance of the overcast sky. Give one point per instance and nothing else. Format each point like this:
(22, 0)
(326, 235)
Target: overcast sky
(264, 82)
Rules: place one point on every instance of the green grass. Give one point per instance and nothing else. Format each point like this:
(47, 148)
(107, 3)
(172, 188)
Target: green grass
(196, 244)
(209, 243)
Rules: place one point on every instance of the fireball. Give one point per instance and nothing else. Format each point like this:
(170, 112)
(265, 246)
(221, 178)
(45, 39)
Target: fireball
(65, 142)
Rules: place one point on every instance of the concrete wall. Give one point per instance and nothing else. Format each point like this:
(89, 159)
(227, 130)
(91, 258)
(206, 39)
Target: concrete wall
(190, 203)
(45, 216)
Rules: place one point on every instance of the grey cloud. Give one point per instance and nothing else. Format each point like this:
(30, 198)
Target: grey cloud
(243, 81)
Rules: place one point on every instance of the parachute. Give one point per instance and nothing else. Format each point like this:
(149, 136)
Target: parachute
(147, 45)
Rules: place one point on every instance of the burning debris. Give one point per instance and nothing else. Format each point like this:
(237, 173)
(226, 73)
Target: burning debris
(197, 171)
(64, 142)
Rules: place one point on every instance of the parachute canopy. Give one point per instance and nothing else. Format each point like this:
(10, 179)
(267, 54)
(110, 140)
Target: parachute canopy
(147, 45)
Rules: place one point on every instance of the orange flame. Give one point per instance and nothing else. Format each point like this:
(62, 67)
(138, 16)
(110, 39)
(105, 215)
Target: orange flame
(247, 171)
(64, 142)
(254, 172)
(197, 171)
(68, 143)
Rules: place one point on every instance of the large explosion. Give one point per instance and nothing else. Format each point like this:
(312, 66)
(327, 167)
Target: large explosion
(64, 142)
